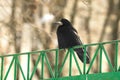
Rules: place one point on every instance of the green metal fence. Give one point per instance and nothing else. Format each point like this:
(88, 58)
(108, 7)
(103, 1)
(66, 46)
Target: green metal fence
(56, 73)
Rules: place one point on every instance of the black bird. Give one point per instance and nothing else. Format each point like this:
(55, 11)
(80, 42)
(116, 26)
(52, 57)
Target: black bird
(67, 38)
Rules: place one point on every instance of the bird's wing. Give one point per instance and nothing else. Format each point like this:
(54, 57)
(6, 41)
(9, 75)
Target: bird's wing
(74, 29)
(77, 38)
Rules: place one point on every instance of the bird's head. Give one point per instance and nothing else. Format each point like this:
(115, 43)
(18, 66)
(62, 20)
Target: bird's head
(63, 22)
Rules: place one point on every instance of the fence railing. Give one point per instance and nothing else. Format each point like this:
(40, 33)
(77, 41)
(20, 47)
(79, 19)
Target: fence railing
(58, 69)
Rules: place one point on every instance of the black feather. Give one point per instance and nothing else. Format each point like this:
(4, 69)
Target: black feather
(67, 38)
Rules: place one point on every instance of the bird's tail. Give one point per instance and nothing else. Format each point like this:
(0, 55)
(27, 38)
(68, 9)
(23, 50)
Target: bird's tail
(80, 53)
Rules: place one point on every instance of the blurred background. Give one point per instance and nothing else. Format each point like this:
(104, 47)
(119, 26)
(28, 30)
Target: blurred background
(26, 25)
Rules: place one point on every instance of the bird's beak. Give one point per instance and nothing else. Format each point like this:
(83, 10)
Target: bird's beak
(58, 23)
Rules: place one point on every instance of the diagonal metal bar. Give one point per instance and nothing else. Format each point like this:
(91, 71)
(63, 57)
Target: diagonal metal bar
(93, 59)
(9, 68)
(63, 62)
(35, 67)
(19, 66)
(110, 65)
(77, 64)
(49, 66)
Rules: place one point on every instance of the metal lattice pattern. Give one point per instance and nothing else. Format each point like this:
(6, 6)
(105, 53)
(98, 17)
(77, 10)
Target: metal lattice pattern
(42, 57)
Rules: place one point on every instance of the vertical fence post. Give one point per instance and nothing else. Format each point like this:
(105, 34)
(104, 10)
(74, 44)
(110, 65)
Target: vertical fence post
(100, 64)
(70, 63)
(56, 63)
(42, 66)
(2, 65)
(84, 57)
(15, 68)
(116, 56)
(28, 66)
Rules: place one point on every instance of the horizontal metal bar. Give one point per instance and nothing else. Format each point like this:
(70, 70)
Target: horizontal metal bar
(48, 50)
